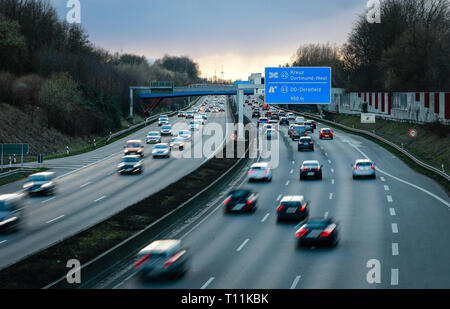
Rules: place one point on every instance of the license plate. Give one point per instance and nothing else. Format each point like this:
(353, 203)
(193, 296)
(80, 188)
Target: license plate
(291, 210)
(310, 174)
(314, 234)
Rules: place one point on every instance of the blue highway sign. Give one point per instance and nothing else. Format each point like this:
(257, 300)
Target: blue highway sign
(298, 85)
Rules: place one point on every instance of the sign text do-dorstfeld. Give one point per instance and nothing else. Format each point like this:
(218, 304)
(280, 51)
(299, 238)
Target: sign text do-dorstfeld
(298, 85)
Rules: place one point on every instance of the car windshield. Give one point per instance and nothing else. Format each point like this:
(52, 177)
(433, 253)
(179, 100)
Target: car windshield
(310, 165)
(291, 204)
(161, 147)
(133, 145)
(130, 160)
(176, 139)
(240, 193)
(37, 178)
(153, 134)
(326, 131)
(166, 127)
(316, 224)
(364, 164)
(183, 133)
(298, 129)
(305, 139)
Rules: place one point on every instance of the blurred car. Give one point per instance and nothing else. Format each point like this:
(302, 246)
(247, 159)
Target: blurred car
(181, 114)
(153, 137)
(292, 207)
(274, 124)
(134, 147)
(205, 117)
(185, 134)
(177, 143)
(363, 168)
(162, 258)
(317, 232)
(326, 133)
(200, 120)
(284, 121)
(161, 150)
(299, 120)
(262, 121)
(275, 116)
(305, 142)
(240, 201)
(131, 164)
(221, 108)
(207, 110)
(189, 114)
(267, 114)
(40, 183)
(260, 172)
(290, 116)
(166, 130)
(311, 123)
(11, 211)
(193, 126)
(282, 114)
(256, 114)
(308, 125)
(162, 120)
(311, 168)
(297, 131)
(270, 134)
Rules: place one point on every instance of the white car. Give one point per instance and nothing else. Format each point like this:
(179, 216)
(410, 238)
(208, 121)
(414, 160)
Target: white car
(185, 134)
(193, 126)
(299, 120)
(199, 119)
(161, 150)
(270, 134)
(166, 130)
(260, 172)
(290, 116)
(153, 137)
(177, 143)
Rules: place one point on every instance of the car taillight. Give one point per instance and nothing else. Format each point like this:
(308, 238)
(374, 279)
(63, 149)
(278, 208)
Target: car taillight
(142, 261)
(304, 169)
(280, 208)
(303, 207)
(372, 167)
(173, 259)
(312, 143)
(250, 200)
(326, 232)
(356, 168)
(302, 231)
(251, 172)
(316, 169)
(226, 201)
(266, 171)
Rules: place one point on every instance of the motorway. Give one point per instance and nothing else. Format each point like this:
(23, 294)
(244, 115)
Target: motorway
(90, 190)
(400, 219)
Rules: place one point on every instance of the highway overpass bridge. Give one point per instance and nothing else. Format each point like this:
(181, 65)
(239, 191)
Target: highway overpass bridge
(158, 91)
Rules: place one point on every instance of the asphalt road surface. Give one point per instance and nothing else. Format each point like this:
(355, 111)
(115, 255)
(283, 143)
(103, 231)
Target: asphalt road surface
(399, 220)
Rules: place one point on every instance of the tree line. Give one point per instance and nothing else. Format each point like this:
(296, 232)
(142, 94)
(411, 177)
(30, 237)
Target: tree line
(51, 65)
(408, 51)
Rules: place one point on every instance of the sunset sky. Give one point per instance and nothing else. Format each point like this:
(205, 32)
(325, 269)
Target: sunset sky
(243, 36)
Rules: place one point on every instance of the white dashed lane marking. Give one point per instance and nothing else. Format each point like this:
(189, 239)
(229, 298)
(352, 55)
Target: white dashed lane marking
(394, 228)
(394, 248)
(265, 217)
(389, 198)
(294, 284)
(386, 188)
(242, 245)
(392, 211)
(53, 220)
(207, 283)
(394, 276)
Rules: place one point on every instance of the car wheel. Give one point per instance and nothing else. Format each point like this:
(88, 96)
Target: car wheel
(320, 137)
(354, 177)
(299, 149)
(312, 149)
(320, 176)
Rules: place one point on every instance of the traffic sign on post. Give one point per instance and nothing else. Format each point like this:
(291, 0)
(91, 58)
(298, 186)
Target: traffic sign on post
(298, 85)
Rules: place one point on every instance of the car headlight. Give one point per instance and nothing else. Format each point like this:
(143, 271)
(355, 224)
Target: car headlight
(27, 185)
(45, 185)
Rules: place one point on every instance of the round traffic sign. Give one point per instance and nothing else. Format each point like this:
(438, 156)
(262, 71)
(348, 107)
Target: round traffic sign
(413, 133)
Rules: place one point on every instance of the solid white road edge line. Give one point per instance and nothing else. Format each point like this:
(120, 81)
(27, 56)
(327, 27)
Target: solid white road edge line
(242, 245)
(294, 284)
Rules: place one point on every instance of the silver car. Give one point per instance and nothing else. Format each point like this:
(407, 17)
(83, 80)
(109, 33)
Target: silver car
(185, 134)
(166, 130)
(11, 211)
(260, 172)
(153, 137)
(363, 168)
(40, 183)
(161, 150)
(162, 258)
(177, 143)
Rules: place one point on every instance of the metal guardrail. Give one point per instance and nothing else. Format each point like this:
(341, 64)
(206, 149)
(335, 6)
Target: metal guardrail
(379, 138)
(21, 170)
(146, 121)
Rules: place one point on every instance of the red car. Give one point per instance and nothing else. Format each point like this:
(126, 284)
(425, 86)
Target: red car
(268, 114)
(326, 133)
